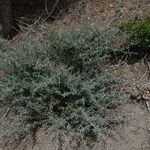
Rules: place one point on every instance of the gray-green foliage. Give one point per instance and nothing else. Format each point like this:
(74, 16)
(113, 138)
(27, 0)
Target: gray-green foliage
(58, 80)
(85, 49)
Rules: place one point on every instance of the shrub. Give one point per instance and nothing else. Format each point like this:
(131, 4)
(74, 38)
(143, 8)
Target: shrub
(43, 83)
(85, 49)
(138, 32)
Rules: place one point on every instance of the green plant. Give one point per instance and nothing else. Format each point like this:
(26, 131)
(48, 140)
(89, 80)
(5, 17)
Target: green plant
(85, 49)
(138, 32)
(42, 84)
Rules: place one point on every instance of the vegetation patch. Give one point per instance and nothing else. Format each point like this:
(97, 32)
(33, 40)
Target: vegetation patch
(138, 32)
(62, 82)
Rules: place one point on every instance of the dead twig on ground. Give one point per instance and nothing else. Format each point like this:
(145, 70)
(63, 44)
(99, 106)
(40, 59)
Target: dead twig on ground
(147, 105)
(148, 65)
(140, 78)
(5, 115)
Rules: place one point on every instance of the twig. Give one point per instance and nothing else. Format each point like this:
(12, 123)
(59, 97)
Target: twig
(147, 105)
(50, 13)
(46, 7)
(140, 78)
(5, 115)
(148, 65)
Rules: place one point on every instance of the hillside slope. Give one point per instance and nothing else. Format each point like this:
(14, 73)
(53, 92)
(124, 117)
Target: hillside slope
(132, 135)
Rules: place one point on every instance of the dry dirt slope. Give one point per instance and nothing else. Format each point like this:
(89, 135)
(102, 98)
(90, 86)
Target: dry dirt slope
(134, 135)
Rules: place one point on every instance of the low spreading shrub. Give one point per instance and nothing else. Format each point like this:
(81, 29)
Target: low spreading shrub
(85, 49)
(57, 82)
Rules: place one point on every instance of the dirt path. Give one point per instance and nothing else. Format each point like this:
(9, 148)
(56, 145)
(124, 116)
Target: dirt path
(135, 134)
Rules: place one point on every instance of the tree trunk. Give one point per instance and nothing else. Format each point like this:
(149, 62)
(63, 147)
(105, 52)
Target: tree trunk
(9, 27)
